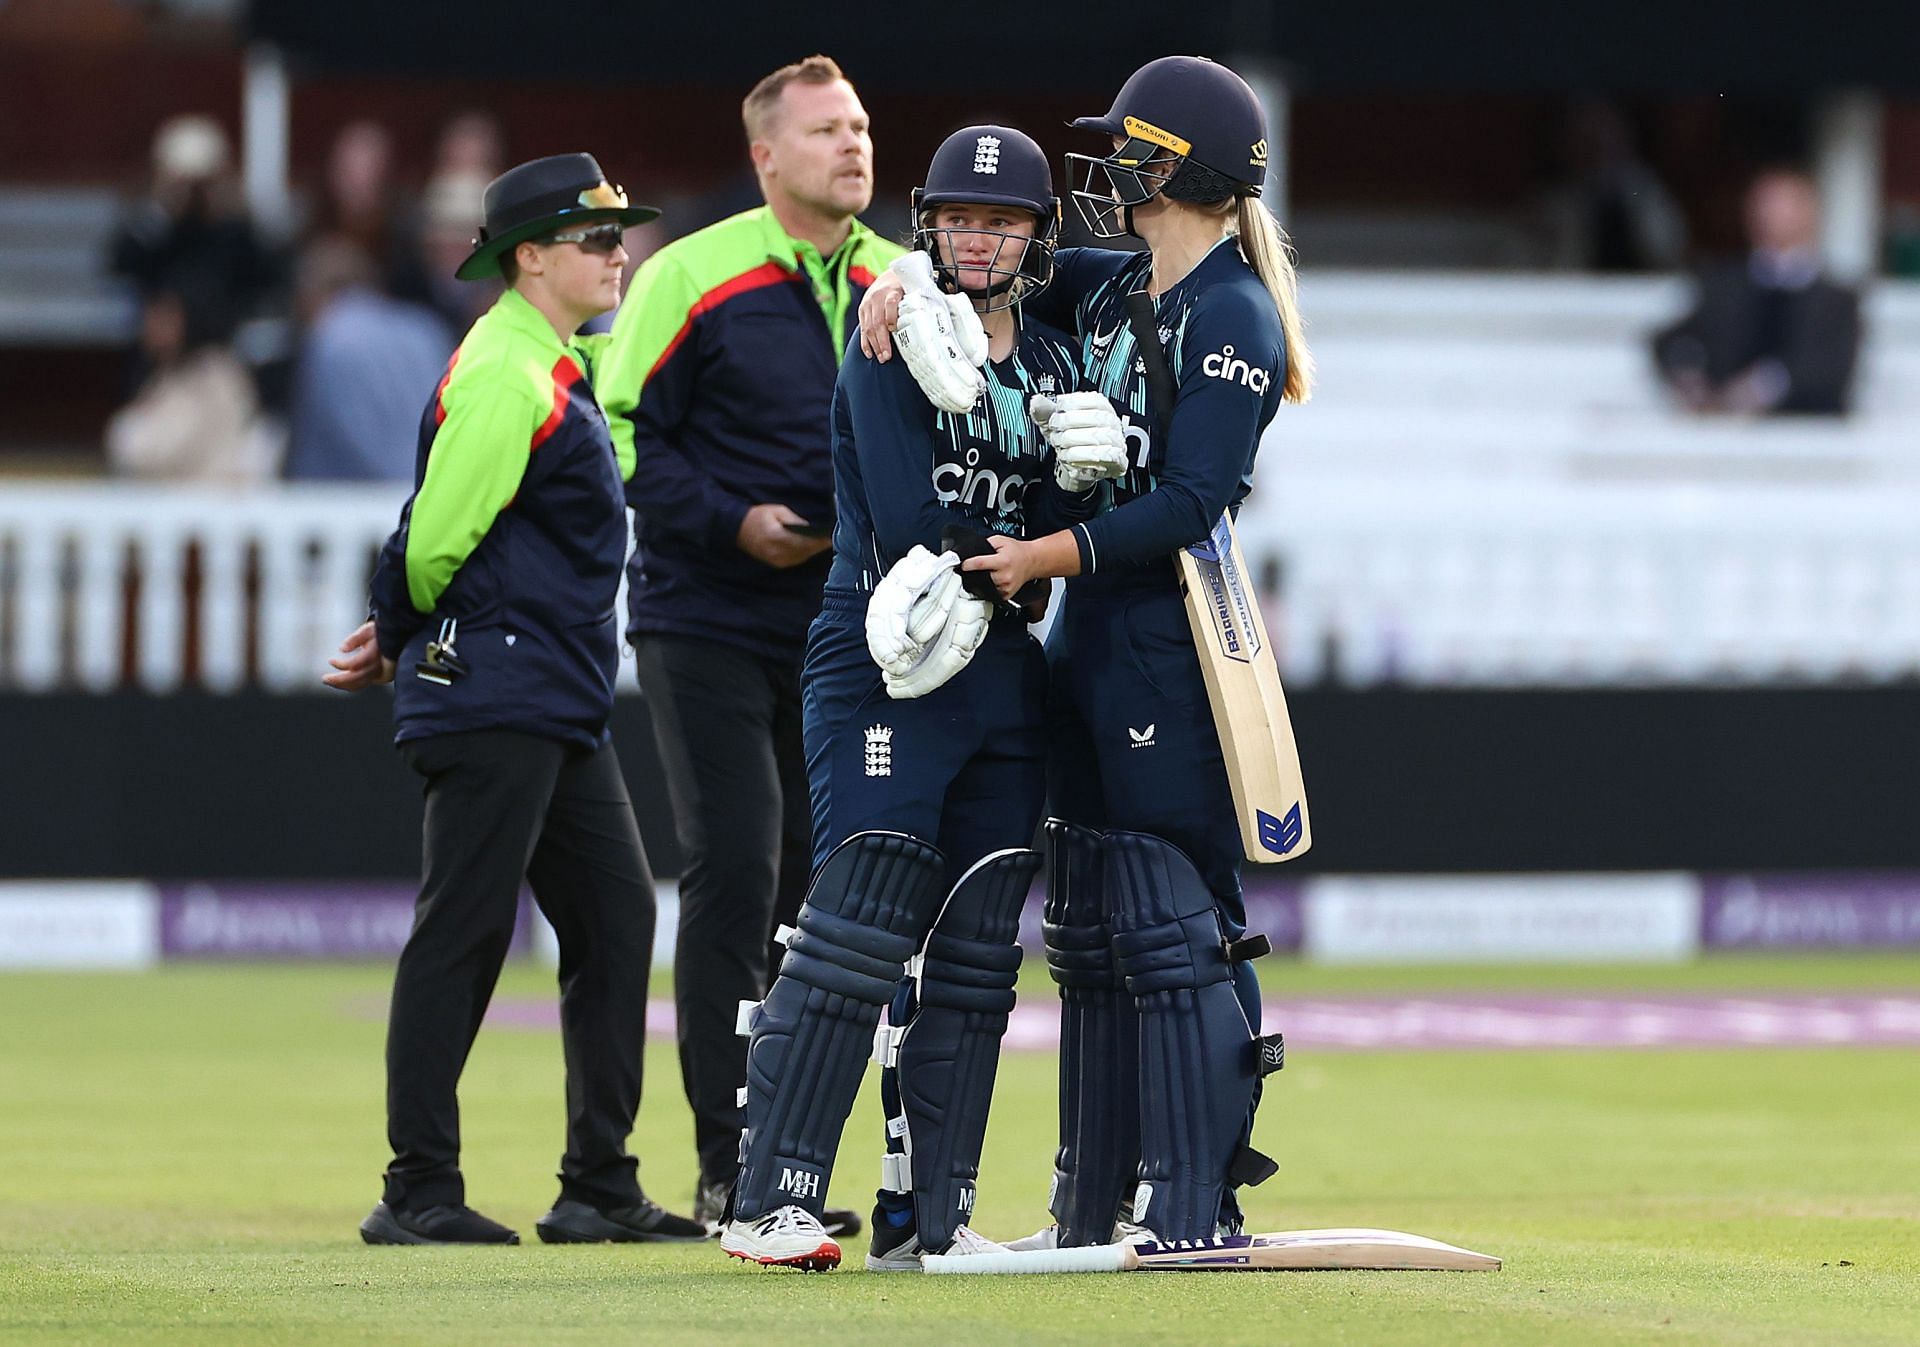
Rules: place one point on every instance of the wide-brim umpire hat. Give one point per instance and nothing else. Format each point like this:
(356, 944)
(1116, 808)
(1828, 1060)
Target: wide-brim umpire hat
(539, 197)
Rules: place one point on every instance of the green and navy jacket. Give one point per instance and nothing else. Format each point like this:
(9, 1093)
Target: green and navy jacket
(718, 384)
(516, 528)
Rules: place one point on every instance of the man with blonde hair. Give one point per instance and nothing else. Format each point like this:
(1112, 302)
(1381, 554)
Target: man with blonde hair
(720, 376)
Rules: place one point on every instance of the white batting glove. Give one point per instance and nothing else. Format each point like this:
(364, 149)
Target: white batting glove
(949, 652)
(939, 336)
(910, 607)
(1089, 444)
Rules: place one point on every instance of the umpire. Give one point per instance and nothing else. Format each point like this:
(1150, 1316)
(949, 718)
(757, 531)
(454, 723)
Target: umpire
(494, 599)
(719, 378)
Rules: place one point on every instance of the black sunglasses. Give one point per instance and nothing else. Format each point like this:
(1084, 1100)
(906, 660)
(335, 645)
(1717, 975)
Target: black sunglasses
(601, 238)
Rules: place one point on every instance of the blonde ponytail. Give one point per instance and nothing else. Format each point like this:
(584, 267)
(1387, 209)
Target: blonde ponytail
(1264, 245)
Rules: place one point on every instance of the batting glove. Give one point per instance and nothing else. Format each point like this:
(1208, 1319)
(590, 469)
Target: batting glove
(948, 653)
(940, 337)
(910, 607)
(1089, 444)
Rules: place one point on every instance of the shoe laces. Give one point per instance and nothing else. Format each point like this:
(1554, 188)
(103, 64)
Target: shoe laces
(789, 1221)
(968, 1240)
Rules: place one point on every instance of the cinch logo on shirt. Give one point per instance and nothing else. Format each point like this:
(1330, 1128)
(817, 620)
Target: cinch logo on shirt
(1223, 364)
(973, 486)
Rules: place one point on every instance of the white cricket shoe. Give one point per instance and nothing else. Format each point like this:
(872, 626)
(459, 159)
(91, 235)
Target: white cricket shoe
(905, 1256)
(783, 1237)
(967, 1240)
(1126, 1232)
(1048, 1238)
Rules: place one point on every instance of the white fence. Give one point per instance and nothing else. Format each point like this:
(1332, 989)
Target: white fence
(157, 587)
(1457, 579)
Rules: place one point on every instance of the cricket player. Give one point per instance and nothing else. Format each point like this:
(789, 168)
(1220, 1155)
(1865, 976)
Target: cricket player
(925, 747)
(1145, 921)
(493, 607)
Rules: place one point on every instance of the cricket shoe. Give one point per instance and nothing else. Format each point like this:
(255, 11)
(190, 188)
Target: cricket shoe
(435, 1225)
(710, 1198)
(784, 1237)
(905, 1256)
(1046, 1238)
(710, 1209)
(645, 1222)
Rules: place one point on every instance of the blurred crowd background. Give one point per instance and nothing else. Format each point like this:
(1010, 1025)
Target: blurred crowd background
(1616, 308)
(224, 258)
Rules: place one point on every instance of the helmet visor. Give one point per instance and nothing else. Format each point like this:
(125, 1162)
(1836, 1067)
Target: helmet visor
(988, 264)
(1105, 187)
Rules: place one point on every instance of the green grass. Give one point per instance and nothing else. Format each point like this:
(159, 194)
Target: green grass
(186, 1154)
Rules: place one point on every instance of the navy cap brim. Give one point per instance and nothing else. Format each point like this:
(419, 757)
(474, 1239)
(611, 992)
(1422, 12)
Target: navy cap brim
(1107, 124)
(484, 260)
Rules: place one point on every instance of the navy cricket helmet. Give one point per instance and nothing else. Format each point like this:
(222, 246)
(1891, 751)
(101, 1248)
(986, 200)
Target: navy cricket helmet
(991, 166)
(1192, 129)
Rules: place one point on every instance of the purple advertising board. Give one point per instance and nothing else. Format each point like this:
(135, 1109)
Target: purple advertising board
(1809, 911)
(293, 921)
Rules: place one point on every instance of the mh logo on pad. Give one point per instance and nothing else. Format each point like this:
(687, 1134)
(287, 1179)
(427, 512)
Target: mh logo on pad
(1280, 835)
(799, 1183)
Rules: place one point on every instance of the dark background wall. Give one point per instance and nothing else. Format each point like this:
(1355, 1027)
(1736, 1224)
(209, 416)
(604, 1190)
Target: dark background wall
(253, 786)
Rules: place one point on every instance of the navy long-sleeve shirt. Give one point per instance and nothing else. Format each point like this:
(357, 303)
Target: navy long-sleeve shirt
(904, 470)
(1228, 353)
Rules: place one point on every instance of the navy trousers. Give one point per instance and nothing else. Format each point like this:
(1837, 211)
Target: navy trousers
(1131, 738)
(963, 767)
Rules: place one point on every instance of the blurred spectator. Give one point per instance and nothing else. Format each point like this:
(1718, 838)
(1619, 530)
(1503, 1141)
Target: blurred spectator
(190, 232)
(367, 366)
(470, 145)
(196, 417)
(1609, 212)
(448, 222)
(1769, 333)
(362, 205)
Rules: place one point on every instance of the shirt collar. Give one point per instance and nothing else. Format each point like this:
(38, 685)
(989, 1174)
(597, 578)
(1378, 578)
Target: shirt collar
(784, 248)
(516, 311)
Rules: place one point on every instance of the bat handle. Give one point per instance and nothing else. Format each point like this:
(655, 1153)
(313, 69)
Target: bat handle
(1096, 1258)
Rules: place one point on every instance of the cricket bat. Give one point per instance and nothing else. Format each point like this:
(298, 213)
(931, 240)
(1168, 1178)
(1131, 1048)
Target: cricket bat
(1243, 687)
(1282, 1251)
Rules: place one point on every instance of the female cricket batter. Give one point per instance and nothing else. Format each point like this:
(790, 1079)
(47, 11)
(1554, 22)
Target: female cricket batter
(1144, 915)
(928, 771)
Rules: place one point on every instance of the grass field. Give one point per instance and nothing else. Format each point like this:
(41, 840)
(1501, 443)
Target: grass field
(186, 1155)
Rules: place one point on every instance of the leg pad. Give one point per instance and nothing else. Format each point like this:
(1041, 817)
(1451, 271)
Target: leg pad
(1198, 1062)
(811, 1036)
(949, 1051)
